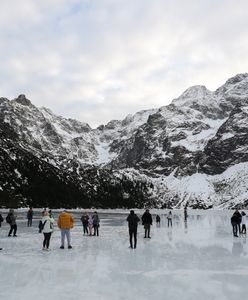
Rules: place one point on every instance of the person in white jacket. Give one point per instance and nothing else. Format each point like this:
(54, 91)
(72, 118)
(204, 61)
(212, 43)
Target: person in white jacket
(47, 229)
(243, 222)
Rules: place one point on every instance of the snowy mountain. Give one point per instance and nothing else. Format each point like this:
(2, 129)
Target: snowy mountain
(195, 150)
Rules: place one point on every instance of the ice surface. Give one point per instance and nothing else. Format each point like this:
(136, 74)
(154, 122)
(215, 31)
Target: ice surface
(198, 261)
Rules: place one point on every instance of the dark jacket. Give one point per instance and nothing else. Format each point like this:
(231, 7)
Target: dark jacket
(1, 220)
(96, 220)
(236, 218)
(147, 218)
(133, 220)
(157, 218)
(12, 219)
(30, 214)
(85, 219)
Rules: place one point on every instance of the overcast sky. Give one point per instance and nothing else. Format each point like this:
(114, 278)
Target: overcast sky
(97, 60)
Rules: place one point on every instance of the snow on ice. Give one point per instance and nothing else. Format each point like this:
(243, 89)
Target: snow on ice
(198, 260)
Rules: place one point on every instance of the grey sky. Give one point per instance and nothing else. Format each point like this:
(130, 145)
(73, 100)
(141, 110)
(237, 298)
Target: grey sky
(97, 60)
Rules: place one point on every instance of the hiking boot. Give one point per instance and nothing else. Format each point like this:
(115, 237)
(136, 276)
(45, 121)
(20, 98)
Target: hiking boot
(69, 247)
(62, 247)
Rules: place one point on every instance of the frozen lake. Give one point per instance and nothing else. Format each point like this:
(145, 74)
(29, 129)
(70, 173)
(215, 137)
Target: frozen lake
(197, 260)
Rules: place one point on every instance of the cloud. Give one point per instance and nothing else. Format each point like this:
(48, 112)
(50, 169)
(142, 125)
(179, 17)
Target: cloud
(100, 60)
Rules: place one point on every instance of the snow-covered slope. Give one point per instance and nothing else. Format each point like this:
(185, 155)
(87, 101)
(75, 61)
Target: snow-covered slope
(200, 135)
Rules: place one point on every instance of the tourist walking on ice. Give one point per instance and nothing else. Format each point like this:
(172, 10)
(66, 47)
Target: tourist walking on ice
(47, 229)
(90, 224)
(133, 220)
(158, 220)
(30, 215)
(235, 221)
(169, 218)
(65, 223)
(243, 222)
(85, 221)
(11, 220)
(96, 223)
(1, 220)
(239, 220)
(147, 222)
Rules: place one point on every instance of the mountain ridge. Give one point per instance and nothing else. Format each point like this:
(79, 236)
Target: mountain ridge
(200, 132)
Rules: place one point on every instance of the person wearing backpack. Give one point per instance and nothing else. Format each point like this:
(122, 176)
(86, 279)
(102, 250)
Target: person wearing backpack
(11, 220)
(47, 229)
(96, 222)
(85, 221)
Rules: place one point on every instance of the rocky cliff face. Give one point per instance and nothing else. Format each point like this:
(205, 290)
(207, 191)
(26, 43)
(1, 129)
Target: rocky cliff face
(200, 134)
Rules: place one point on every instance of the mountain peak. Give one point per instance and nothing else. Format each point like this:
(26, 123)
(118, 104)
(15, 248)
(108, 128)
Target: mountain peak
(21, 99)
(237, 78)
(194, 93)
(195, 89)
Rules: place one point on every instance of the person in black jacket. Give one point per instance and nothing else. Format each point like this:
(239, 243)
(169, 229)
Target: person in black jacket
(30, 215)
(1, 220)
(85, 222)
(235, 221)
(11, 220)
(96, 223)
(147, 222)
(239, 220)
(133, 220)
(158, 220)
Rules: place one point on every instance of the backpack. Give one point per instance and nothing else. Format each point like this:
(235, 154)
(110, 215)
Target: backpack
(42, 225)
(8, 219)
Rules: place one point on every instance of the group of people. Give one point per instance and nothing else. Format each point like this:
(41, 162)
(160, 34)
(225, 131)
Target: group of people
(91, 223)
(66, 223)
(146, 218)
(238, 221)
